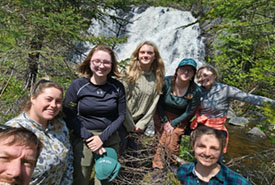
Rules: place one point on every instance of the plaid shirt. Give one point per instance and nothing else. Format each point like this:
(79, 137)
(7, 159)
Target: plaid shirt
(226, 176)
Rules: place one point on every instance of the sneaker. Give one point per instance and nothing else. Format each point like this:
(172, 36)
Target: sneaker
(150, 130)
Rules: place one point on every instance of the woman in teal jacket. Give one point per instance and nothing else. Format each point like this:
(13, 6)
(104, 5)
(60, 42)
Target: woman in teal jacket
(180, 98)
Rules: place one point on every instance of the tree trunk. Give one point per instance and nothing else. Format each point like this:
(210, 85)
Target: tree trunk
(33, 60)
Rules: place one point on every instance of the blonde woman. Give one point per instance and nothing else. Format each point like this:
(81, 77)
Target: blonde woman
(143, 83)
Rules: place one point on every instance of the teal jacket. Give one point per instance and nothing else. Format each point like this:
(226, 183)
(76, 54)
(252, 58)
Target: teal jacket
(182, 106)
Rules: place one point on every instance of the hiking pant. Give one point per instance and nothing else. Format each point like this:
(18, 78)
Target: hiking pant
(169, 142)
(84, 160)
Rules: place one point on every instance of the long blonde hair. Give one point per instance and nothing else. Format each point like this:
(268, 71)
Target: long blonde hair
(134, 70)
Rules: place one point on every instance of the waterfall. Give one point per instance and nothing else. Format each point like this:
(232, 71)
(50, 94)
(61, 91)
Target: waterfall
(159, 25)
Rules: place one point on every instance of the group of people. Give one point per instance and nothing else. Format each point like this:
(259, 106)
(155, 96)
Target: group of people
(102, 108)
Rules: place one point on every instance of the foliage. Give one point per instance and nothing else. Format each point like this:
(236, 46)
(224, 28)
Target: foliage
(37, 37)
(185, 151)
(269, 111)
(268, 125)
(244, 47)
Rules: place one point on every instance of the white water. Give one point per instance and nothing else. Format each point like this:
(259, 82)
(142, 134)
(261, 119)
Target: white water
(161, 26)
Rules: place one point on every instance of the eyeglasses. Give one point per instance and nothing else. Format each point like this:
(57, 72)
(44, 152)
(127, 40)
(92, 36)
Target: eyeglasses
(98, 62)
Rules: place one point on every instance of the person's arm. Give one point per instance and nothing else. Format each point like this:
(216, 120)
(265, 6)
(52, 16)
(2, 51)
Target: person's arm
(161, 104)
(70, 110)
(240, 95)
(128, 123)
(68, 176)
(148, 116)
(121, 114)
(190, 109)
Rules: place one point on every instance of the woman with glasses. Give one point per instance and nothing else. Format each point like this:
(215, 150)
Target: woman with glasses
(94, 109)
(40, 115)
(143, 81)
(178, 102)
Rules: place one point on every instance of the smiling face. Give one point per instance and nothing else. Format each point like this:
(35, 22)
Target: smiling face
(146, 56)
(185, 73)
(101, 64)
(17, 162)
(207, 149)
(206, 78)
(46, 105)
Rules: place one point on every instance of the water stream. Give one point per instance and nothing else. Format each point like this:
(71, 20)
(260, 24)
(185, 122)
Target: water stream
(250, 155)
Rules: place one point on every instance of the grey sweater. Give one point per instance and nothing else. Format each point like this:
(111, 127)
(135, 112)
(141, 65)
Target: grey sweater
(216, 102)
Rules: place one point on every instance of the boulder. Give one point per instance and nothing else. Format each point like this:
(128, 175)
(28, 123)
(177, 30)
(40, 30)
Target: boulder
(231, 114)
(238, 121)
(257, 132)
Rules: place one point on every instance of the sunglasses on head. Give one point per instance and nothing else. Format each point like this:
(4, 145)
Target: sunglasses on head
(39, 83)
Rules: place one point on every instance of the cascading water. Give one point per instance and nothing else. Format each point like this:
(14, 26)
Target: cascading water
(159, 25)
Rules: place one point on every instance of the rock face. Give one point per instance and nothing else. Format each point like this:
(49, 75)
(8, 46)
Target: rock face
(238, 121)
(257, 132)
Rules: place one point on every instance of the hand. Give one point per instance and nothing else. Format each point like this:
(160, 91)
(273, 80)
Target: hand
(168, 127)
(138, 130)
(100, 151)
(94, 143)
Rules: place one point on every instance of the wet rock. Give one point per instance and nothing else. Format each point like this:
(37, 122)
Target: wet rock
(231, 114)
(238, 121)
(141, 9)
(257, 132)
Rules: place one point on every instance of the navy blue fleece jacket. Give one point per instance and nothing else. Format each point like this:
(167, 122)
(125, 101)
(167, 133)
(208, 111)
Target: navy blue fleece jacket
(94, 107)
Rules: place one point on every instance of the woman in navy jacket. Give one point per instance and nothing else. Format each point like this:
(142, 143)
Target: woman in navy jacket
(94, 109)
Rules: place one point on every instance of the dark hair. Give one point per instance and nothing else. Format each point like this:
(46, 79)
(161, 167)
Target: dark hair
(37, 89)
(204, 130)
(192, 83)
(21, 136)
(84, 67)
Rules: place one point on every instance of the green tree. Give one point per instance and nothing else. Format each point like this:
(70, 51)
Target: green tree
(37, 37)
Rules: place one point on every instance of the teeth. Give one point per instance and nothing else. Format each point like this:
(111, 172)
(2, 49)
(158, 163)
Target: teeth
(4, 183)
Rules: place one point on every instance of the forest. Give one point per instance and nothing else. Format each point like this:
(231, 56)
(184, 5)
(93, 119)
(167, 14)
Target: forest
(37, 39)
